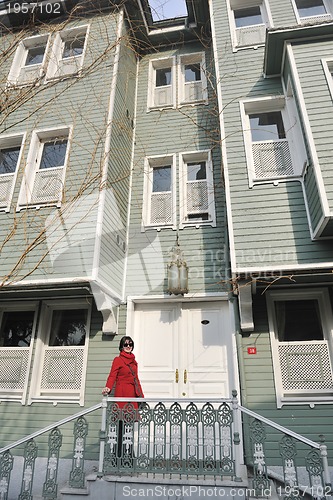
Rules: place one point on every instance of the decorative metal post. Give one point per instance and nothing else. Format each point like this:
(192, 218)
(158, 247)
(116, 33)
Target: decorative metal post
(6, 467)
(30, 455)
(102, 438)
(50, 486)
(237, 430)
(258, 437)
(77, 476)
(288, 453)
(327, 478)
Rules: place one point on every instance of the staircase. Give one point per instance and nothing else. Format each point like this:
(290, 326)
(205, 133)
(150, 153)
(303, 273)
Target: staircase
(172, 449)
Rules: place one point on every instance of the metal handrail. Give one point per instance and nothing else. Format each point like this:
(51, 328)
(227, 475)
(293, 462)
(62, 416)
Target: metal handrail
(50, 427)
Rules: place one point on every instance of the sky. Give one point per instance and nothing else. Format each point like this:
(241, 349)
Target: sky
(167, 9)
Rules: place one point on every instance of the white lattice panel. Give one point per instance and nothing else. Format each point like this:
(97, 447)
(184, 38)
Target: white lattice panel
(161, 208)
(6, 183)
(163, 96)
(250, 35)
(63, 369)
(316, 19)
(29, 73)
(193, 91)
(13, 367)
(197, 196)
(47, 185)
(305, 366)
(272, 159)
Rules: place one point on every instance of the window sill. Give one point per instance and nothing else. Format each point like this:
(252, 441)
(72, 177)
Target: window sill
(237, 48)
(155, 227)
(54, 400)
(36, 206)
(274, 180)
(194, 103)
(325, 399)
(160, 108)
(197, 224)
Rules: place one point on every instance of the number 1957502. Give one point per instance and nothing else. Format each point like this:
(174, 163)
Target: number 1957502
(34, 7)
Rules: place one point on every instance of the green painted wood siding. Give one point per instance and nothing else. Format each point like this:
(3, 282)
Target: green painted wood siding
(269, 223)
(318, 102)
(167, 132)
(114, 231)
(61, 242)
(258, 389)
(313, 197)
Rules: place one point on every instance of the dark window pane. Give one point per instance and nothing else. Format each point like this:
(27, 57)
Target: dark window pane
(8, 159)
(73, 48)
(161, 179)
(16, 328)
(68, 327)
(196, 171)
(248, 17)
(267, 126)
(35, 55)
(298, 320)
(163, 77)
(54, 154)
(310, 8)
(192, 72)
(197, 217)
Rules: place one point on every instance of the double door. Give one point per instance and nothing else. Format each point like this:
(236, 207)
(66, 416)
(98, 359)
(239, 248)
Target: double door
(184, 350)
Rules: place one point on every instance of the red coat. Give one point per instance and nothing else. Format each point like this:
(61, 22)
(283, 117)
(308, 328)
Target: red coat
(122, 377)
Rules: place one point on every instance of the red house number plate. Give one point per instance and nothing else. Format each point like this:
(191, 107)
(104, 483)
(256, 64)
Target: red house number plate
(252, 350)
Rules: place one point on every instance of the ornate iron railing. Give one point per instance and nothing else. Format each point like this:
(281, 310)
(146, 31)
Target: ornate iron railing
(182, 437)
(170, 438)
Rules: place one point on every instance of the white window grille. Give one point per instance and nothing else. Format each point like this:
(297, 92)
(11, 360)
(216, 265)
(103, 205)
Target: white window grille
(17, 332)
(301, 339)
(273, 138)
(161, 88)
(61, 352)
(28, 65)
(45, 171)
(159, 199)
(248, 22)
(67, 53)
(312, 11)
(192, 79)
(10, 155)
(196, 186)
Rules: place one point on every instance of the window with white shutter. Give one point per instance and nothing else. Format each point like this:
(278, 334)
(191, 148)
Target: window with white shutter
(61, 352)
(67, 52)
(17, 332)
(301, 339)
(45, 171)
(196, 186)
(192, 79)
(159, 200)
(10, 154)
(248, 22)
(161, 89)
(274, 143)
(312, 11)
(28, 65)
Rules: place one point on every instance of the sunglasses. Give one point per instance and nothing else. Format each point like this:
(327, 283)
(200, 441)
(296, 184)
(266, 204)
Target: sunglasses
(128, 344)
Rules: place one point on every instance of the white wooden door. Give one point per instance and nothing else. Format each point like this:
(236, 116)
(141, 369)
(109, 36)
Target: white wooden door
(184, 350)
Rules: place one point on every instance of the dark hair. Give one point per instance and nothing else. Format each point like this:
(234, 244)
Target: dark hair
(123, 340)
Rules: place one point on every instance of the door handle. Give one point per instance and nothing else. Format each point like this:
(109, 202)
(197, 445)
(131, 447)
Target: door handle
(176, 376)
(185, 376)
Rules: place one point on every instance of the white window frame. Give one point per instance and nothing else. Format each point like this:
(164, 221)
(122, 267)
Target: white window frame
(183, 60)
(306, 396)
(309, 19)
(184, 159)
(19, 394)
(154, 64)
(20, 74)
(328, 70)
(32, 168)
(58, 395)
(8, 141)
(152, 162)
(60, 67)
(293, 134)
(266, 15)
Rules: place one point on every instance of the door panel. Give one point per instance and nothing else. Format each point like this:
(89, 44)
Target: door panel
(193, 339)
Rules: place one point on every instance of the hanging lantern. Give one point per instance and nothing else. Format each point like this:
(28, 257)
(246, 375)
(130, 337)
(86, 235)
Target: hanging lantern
(177, 275)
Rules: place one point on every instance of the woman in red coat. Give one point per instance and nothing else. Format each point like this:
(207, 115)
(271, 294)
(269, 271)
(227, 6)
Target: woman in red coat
(124, 376)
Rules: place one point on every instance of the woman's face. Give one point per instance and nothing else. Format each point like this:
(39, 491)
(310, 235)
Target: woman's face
(128, 346)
